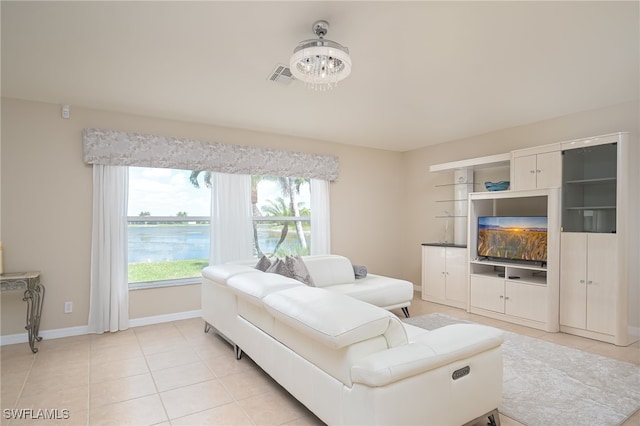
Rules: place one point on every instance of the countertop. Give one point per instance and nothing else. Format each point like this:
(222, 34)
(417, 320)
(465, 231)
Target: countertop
(445, 245)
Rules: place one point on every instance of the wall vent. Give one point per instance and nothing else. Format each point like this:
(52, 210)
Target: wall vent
(281, 74)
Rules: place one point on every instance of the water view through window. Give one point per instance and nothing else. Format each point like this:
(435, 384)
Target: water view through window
(158, 243)
(169, 221)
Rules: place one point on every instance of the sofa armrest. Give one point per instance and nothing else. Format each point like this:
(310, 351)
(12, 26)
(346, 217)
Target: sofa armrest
(430, 351)
(330, 269)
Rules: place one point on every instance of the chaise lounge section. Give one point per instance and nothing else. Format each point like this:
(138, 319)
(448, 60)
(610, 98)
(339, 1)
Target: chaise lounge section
(336, 273)
(351, 362)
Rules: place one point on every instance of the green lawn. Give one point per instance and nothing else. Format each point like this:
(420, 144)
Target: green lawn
(156, 271)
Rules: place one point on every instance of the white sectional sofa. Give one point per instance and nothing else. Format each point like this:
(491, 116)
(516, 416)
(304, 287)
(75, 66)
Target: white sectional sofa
(352, 362)
(336, 273)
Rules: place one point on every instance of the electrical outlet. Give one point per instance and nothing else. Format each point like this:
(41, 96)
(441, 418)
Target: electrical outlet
(68, 307)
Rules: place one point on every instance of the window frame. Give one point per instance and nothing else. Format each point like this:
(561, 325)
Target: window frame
(197, 280)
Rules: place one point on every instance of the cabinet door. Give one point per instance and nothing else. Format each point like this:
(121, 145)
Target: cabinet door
(487, 293)
(549, 170)
(573, 279)
(433, 272)
(602, 278)
(456, 274)
(526, 301)
(524, 175)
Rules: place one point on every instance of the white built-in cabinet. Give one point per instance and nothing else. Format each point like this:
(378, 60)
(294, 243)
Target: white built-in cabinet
(444, 274)
(600, 255)
(589, 281)
(590, 285)
(536, 168)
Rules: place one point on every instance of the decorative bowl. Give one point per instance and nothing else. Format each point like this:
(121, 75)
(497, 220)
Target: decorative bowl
(497, 186)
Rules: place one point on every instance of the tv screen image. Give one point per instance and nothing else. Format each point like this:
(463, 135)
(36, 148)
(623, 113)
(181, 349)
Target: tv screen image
(513, 237)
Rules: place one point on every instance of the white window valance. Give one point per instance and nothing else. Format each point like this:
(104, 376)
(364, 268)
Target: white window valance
(110, 147)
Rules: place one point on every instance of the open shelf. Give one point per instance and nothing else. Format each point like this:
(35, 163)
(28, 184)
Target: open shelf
(521, 273)
(591, 181)
(506, 264)
(441, 185)
(591, 208)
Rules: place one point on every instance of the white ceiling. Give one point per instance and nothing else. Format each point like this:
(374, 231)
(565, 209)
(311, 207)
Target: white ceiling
(423, 72)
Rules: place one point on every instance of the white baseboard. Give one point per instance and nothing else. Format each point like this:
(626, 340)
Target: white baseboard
(158, 319)
(634, 331)
(12, 339)
(45, 334)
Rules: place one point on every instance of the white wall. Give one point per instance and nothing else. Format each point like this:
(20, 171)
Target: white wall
(382, 207)
(47, 196)
(421, 194)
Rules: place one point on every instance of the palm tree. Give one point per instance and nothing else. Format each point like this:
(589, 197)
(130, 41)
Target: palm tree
(280, 208)
(194, 178)
(290, 188)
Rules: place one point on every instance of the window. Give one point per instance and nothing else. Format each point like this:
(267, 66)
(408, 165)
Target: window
(281, 215)
(169, 228)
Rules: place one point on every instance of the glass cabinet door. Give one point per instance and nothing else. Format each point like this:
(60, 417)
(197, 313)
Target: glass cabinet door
(589, 189)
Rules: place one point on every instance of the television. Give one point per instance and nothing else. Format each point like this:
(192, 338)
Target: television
(521, 238)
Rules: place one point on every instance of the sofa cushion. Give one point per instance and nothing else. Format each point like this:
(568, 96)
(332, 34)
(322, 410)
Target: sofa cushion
(255, 286)
(221, 273)
(329, 269)
(332, 318)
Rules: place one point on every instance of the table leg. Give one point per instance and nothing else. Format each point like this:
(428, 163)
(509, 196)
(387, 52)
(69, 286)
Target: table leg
(34, 298)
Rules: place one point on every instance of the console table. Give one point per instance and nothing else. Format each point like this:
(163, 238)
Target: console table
(33, 295)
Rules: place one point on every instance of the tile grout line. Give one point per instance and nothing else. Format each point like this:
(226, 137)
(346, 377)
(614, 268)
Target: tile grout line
(24, 384)
(233, 398)
(155, 384)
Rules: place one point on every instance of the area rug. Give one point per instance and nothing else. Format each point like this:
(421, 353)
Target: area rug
(549, 384)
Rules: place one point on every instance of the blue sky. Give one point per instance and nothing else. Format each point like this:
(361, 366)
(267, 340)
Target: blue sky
(517, 222)
(165, 192)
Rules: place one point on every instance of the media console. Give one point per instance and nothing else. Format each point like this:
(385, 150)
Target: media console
(524, 293)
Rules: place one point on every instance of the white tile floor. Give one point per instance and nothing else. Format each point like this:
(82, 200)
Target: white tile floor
(174, 374)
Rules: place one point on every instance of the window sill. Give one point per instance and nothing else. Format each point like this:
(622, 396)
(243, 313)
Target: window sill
(164, 283)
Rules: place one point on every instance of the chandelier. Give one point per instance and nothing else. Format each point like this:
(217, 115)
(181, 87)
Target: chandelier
(320, 63)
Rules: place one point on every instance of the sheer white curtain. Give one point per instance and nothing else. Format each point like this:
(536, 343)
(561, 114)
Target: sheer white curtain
(320, 215)
(231, 223)
(109, 299)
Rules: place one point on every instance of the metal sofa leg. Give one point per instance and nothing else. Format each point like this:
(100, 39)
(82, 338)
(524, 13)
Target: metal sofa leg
(494, 418)
(238, 352)
(405, 311)
(207, 327)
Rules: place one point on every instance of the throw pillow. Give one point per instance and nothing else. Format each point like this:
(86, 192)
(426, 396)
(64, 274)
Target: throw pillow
(359, 271)
(279, 267)
(299, 270)
(292, 267)
(263, 264)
